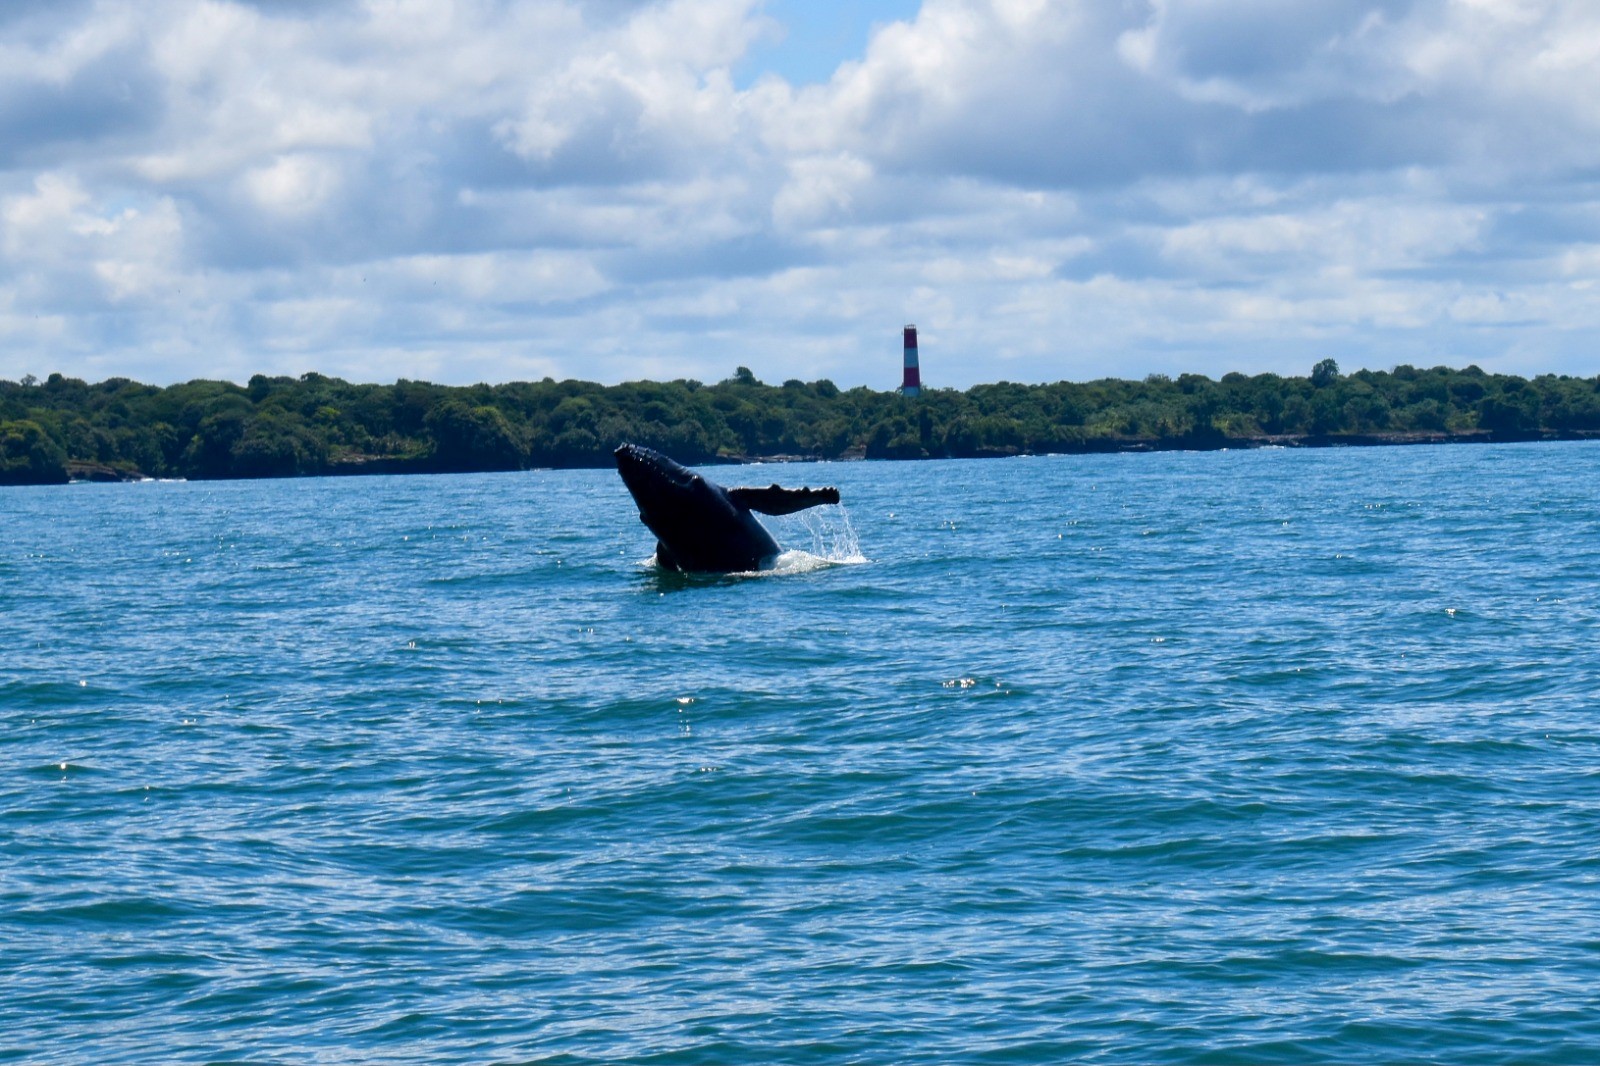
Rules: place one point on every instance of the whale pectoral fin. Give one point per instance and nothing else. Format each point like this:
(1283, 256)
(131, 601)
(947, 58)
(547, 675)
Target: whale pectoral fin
(665, 559)
(775, 499)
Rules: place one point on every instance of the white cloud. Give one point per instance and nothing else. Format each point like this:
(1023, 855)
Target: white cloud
(1350, 238)
(819, 189)
(292, 185)
(76, 255)
(497, 278)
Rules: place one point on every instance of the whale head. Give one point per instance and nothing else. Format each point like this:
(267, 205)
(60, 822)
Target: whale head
(658, 482)
(672, 498)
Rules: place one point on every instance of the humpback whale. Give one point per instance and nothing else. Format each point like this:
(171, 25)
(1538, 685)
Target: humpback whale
(699, 525)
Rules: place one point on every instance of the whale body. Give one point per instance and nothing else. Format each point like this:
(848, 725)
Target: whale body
(701, 526)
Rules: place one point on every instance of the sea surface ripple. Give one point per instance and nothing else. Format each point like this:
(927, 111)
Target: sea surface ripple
(1242, 757)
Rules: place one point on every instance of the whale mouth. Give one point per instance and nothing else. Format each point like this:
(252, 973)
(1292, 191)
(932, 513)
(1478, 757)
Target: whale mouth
(648, 472)
(639, 465)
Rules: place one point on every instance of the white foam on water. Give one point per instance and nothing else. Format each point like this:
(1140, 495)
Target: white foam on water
(787, 563)
(796, 561)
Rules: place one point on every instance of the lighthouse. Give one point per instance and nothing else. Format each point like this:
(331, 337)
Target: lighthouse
(911, 384)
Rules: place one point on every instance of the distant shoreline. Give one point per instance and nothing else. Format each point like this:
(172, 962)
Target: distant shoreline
(83, 473)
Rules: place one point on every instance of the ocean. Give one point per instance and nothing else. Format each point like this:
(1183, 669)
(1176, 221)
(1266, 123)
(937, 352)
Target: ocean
(1266, 756)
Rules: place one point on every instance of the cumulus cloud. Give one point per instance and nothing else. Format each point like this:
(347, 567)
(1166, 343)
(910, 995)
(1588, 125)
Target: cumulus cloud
(485, 189)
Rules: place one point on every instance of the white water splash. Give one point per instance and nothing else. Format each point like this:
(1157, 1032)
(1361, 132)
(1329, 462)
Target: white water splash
(823, 533)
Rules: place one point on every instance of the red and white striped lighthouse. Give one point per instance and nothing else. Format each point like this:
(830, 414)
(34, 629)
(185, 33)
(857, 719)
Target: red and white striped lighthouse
(911, 384)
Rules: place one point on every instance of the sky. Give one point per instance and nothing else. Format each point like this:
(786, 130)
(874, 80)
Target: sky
(491, 190)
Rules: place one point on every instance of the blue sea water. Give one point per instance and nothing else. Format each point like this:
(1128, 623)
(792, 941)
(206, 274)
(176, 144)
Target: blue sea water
(1241, 757)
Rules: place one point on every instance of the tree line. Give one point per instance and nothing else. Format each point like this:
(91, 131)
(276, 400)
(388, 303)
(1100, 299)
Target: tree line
(62, 427)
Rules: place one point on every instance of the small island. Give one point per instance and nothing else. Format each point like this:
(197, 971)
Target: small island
(64, 429)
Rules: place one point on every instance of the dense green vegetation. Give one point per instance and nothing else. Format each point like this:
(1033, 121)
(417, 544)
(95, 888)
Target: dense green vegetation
(280, 427)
